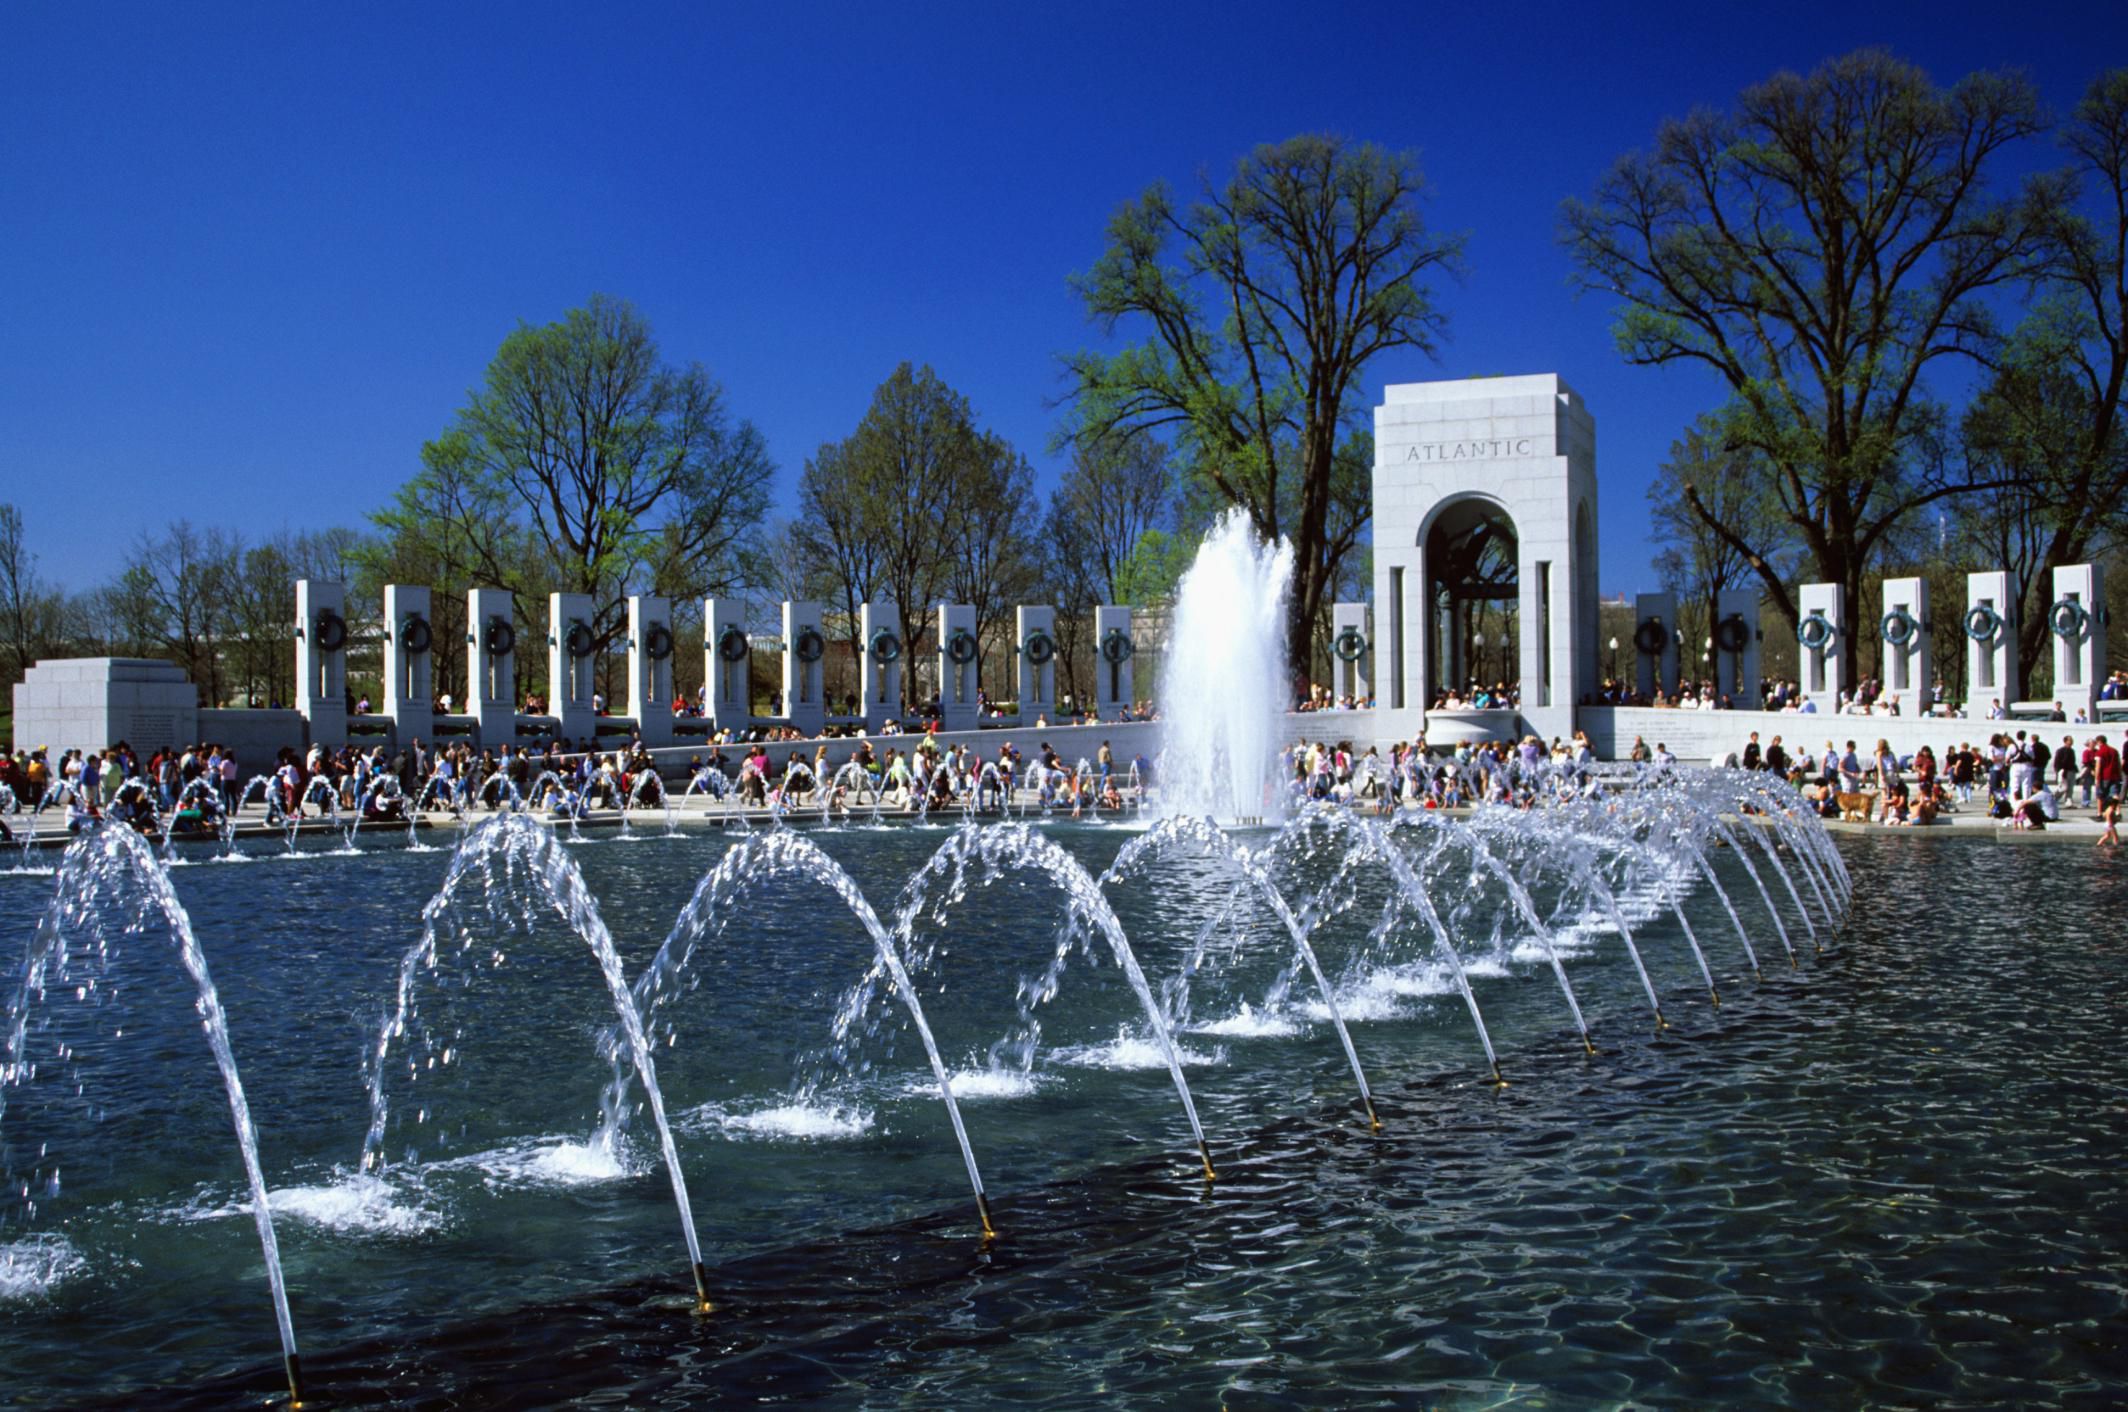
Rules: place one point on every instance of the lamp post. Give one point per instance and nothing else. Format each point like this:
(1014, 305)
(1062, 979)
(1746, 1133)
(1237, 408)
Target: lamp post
(1613, 673)
(1477, 658)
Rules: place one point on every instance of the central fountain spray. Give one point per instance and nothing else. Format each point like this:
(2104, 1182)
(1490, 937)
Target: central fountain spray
(1224, 686)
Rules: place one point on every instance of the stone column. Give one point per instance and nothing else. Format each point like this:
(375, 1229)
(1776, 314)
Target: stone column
(1114, 648)
(1350, 632)
(803, 704)
(1736, 664)
(1036, 634)
(959, 681)
(1991, 676)
(1824, 645)
(880, 654)
(321, 660)
(409, 662)
(1906, 662)
(2076, 623)
(650, 667)
(1655, 613)
(727, 661)
(572, 666)
(491, 666)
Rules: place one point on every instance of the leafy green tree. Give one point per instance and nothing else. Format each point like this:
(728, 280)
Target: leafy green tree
(617, 470)
(1262, 305)
(1823, 248)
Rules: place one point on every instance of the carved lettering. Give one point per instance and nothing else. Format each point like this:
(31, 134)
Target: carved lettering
(1494, 449)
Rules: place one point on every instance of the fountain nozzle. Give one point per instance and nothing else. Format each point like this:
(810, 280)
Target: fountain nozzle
(702, 1304)
(1498, 1082)
(1206, 1153)
(1374, 1120)
(1587, 1043)
(1717, 998)
(294, 1366)
(982, 1209)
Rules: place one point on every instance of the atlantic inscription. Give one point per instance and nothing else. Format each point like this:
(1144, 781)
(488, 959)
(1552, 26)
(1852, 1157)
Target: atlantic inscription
(1497, 449)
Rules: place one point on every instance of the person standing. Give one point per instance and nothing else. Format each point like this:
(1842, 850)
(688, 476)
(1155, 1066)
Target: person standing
(2106, 768)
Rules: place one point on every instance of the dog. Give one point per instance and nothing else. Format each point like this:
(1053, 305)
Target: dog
(1856, 808)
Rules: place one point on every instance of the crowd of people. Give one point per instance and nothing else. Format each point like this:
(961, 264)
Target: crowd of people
(1417, 775)
(194, 788)
(2014, 776)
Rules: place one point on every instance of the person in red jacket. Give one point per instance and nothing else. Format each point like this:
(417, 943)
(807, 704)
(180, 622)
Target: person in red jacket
(2106, 771)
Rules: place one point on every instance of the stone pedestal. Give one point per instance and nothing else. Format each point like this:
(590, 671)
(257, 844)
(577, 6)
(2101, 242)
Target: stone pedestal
(321, 660)
(727, 662)
(880, 653)
(2076, 626)
(1736, 647)
(1906, 661)
(1115, 651)
(804, 645)
(572, 666)
(1824, 645)
(87, 703)
(1655, 617)
(1036, 636)
(1991, 675)
(409, 665)
(491, 666)
(650, 646)
(960, 668)
(1351, 652)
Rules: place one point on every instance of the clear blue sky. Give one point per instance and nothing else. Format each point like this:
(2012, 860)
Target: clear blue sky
(252, 256)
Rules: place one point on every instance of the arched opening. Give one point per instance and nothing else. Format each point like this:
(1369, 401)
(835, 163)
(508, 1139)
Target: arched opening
(1473, 592)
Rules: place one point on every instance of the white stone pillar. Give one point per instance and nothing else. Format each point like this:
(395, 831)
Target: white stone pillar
(1736, 647)
(1114, 647)
(572, 666)
(491, 666)
(1655, 643)
(960, 668)
(1906, 661)
(1351, 633)
(321, 660)
(2076, 623)
(650, 667)
(1991, 676)
(409, 665)
(880, 654)
(1824, 645)
(1036, 633)
(804, 645)
(727, 662)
